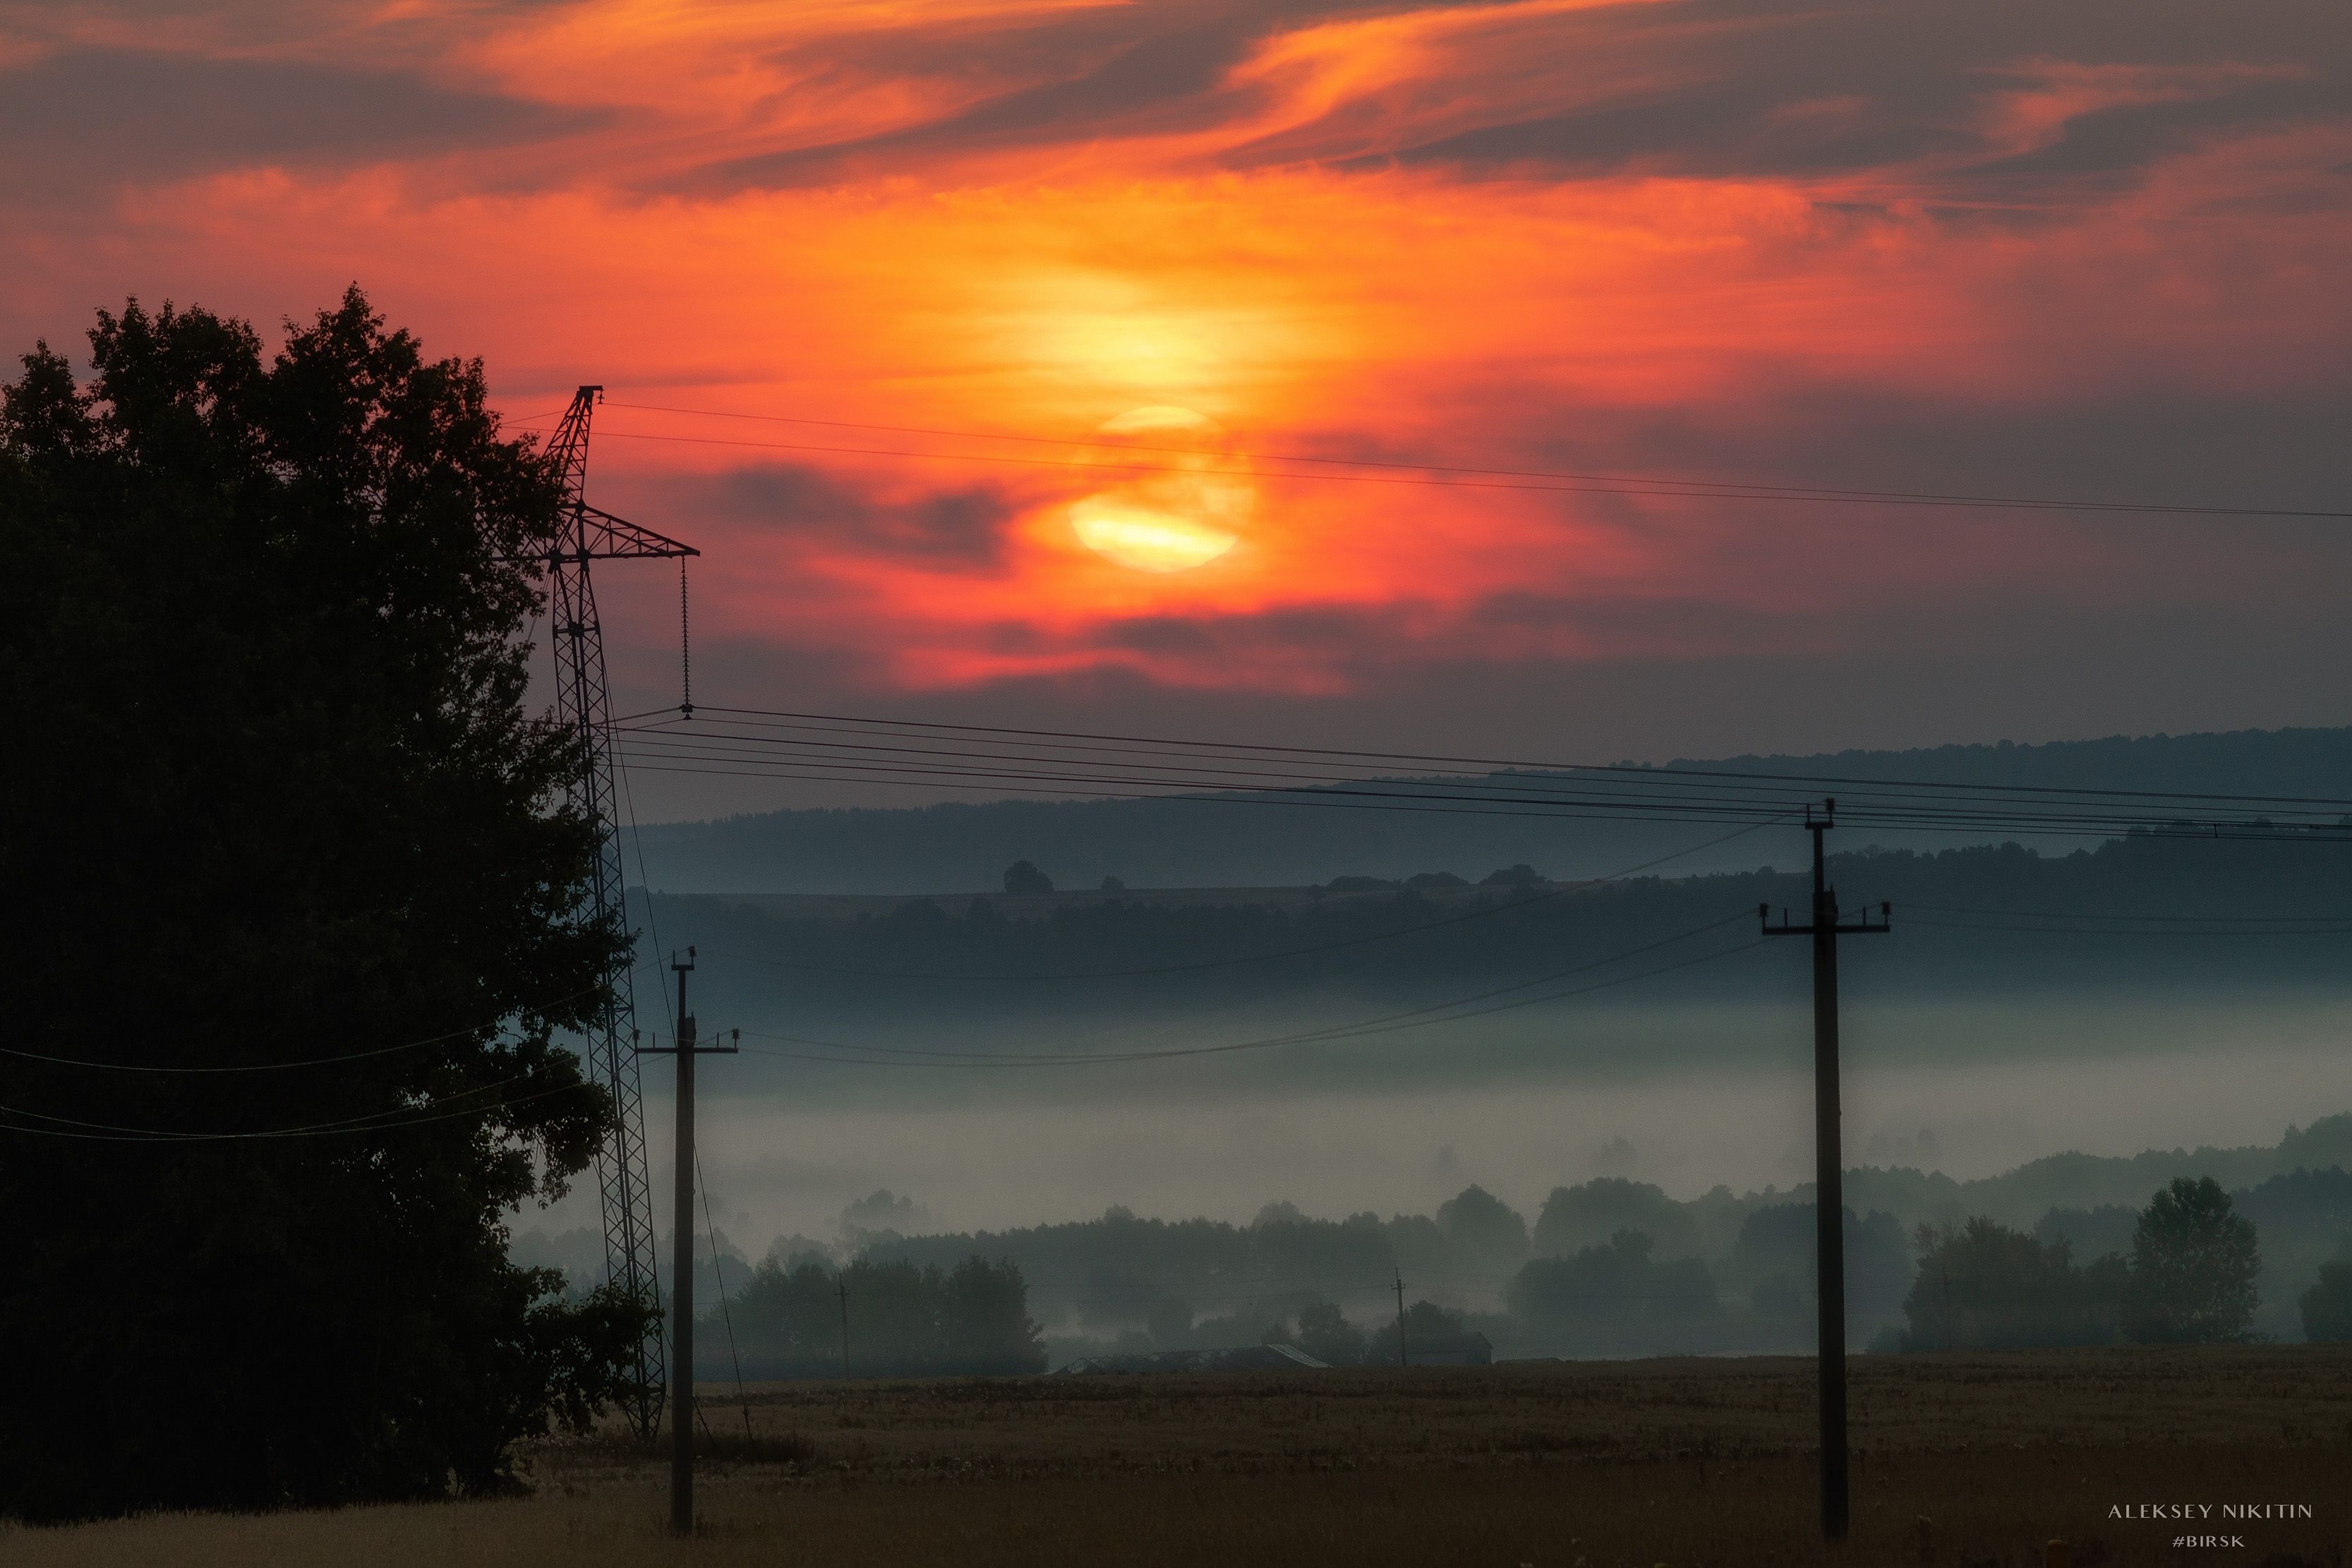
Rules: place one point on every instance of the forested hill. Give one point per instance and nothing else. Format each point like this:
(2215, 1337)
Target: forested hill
(2146, 911)
(1210, 841)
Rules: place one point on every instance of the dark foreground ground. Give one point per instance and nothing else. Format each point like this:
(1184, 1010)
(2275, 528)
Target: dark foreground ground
(1961, 1461)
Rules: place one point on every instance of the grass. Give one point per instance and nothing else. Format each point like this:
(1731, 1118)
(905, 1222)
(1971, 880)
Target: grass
(1967, 1462)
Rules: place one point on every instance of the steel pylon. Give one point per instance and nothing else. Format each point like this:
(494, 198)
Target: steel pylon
(583, 706)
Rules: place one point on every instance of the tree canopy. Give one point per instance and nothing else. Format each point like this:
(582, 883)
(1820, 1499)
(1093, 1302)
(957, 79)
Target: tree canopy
(2327, 1306)
(1982, 1286)
(304, 918)
(2193, 1266)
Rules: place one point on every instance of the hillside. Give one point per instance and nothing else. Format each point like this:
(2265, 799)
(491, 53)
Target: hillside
(2148, 913)
(1232, 840)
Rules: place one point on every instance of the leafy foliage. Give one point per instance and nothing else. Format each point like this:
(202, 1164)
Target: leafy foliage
(1431, 1334)
(1484, 1233)
(1778, 1249)
(1982, 1286)
(2327, 1305)
(1023, 877)
(1617, 1300)
(259, 640)
(1325, 1333)
(902, 1320)
(2192, 1268)
(1587, 1215)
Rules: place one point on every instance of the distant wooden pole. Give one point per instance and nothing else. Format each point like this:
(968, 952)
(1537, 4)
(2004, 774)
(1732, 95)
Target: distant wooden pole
(681, 1296)
(1400, 1294)
(1829, 1162)
(681, 1398)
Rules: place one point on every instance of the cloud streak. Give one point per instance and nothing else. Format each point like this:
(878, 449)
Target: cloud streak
(2087, 250)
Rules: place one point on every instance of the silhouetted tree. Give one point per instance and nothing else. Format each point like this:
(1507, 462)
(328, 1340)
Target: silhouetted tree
(1982, 1286)
(2303, 1216)
(1325, 1333)
(2193, 1265)
(1431, 1332)
(1617, 1300)
(786, 1321)
(1777, 1246)
(1484, 1234)
(2090, 1234)
(985, 1325)
(1574, 1218)
(1023, 877)
(2327, 1305)
(276, 803)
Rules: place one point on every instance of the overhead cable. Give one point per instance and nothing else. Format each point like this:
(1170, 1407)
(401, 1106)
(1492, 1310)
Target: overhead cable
(1382, 1024)
(1482, 912)
(1425, 474)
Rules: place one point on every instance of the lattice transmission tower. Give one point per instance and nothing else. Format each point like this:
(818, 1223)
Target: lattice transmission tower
(583, 706)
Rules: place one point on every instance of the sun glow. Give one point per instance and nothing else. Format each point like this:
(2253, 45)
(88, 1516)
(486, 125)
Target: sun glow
(1166, 521)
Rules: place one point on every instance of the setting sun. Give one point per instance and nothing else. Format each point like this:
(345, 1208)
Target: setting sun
(1170, 520)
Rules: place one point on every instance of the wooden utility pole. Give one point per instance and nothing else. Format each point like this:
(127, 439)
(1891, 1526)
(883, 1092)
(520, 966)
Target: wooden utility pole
(1829, 1161)
(841, 1290)
(681, 1301)
(1400, 1293)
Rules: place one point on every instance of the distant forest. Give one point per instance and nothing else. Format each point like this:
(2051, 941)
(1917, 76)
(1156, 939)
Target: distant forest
(1223, 841)
(2039, 1254)
(2146, 909)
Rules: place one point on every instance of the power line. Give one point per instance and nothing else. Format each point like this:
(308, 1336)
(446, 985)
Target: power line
(1753, 776)
(314, 1061)
(1049, 1057)
(726, 1314)
(1382, 1025)
(707, 746)
(109, 1132)
(2103, 915)
(1482, 913)
(2305, 931)
(851, 748)
(1430, 473)
(964, 780)
(1923, 814)
(311, 1062)
(1405, 802)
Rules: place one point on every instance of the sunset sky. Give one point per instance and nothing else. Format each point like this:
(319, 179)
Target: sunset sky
(2096, 248)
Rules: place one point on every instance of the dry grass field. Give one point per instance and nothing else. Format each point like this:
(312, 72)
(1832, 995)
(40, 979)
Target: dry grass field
(1960, 1460)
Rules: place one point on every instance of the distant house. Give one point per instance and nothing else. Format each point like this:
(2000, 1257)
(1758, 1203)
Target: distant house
(1471, 1349)
(1246, 1358)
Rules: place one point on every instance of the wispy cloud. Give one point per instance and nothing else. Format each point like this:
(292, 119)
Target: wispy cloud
(2087, 249)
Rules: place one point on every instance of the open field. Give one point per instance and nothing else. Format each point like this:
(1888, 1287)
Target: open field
(1961, 1460)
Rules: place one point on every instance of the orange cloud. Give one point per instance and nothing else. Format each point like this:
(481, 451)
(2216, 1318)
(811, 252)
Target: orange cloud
(1576, 236)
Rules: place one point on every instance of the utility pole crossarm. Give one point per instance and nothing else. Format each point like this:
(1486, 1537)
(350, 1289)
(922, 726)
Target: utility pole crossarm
(1866, 926)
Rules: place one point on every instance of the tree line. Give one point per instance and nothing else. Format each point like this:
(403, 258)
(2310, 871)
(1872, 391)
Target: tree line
(2028, 919)
(2189, 1277)
(804, 1318)
(1615, 1266)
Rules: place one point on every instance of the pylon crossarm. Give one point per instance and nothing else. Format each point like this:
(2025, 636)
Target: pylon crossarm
(604, 537)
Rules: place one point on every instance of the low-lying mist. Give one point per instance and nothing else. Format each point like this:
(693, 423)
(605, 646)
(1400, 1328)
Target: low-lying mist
(1963, 1089)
